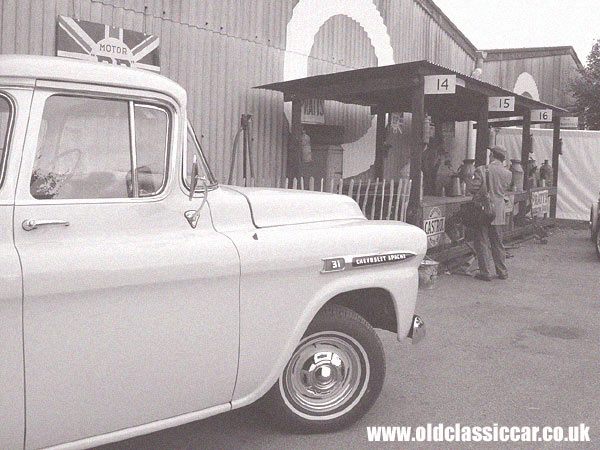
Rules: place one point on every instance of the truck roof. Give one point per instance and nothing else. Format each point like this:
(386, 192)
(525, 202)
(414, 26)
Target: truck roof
(64, 69)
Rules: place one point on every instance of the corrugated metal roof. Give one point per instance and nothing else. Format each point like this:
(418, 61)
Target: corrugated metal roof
(497, 54)
(376, 86)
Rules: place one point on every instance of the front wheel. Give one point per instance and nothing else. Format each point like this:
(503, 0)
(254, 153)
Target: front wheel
(333, 377)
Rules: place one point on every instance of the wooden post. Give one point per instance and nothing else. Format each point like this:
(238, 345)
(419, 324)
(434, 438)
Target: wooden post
(294, 147)
(555, 159)
(439, 132)
(526, 147)
(418, 117)
(482, 140)
(379, 142)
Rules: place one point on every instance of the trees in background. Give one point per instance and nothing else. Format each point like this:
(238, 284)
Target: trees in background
(586, 90)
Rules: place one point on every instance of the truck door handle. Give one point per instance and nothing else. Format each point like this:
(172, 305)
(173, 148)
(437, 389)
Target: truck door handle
(32, 224)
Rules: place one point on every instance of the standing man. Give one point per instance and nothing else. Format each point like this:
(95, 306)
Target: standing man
(489, 237)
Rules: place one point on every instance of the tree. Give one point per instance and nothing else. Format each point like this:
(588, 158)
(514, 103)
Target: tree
(586, 90)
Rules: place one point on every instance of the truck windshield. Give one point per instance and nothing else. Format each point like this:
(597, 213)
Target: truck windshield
(194, 148)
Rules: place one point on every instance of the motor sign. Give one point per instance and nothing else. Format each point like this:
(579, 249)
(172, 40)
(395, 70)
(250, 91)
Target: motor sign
(501, 104)
(541, 115)
(440, 84)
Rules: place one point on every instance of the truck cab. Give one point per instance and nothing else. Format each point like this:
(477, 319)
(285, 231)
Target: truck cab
(121, 316)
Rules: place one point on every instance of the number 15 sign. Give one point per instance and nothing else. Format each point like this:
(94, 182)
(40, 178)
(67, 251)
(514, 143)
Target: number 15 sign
(440, 84)
(501, 104)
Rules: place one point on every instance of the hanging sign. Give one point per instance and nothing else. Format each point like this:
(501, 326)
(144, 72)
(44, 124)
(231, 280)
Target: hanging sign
(569, 122)
(540, 203)
(98, 42)
(440, 84)
(501, 104)
(541, 115)
(313, 111)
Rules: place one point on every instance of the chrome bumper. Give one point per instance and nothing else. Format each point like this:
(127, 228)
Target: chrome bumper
(417, 330)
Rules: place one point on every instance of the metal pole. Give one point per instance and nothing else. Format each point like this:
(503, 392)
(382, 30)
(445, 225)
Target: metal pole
(244, 148)
(556, 151)
(248, 118)
(233, 152)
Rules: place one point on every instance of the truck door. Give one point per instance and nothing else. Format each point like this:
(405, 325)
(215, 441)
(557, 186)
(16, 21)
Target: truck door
(11, 331)
(130, 315)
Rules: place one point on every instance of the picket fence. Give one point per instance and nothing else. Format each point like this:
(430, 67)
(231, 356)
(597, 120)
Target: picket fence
(378, 200)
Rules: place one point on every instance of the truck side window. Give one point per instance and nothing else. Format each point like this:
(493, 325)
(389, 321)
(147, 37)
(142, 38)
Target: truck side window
(151, 143)
(5, 120)
(83, 149)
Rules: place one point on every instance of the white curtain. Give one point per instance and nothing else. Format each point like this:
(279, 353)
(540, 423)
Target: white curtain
(578, 169)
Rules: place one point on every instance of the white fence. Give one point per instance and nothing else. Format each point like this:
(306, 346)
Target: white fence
(378, 200)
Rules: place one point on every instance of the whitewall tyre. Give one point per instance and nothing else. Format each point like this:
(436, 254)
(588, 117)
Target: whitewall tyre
(333, 377)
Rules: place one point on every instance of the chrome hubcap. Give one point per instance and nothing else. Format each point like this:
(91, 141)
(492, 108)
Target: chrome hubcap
(325, 374)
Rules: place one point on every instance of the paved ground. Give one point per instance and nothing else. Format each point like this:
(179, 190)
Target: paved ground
(519, 352)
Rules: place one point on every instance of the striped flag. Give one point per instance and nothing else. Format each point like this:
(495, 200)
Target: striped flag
(91, 41)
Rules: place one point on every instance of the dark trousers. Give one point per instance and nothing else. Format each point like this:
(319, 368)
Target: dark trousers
(489, 238)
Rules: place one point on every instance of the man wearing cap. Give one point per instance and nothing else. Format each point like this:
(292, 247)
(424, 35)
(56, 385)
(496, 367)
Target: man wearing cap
(489, 238)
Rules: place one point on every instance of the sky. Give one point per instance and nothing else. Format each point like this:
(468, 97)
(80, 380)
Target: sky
(526, 23)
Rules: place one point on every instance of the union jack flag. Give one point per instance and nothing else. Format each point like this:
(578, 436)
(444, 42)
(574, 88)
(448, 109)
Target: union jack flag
(91, 41)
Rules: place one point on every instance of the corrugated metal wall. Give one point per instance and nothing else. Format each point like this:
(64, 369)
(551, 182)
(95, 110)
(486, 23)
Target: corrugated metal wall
(219, 49)
(416, 35)
(553, 75)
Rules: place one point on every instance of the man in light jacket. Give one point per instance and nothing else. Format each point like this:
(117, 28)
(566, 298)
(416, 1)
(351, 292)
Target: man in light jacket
(489, 238)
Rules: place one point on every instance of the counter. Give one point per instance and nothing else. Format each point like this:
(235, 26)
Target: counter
(440, 217)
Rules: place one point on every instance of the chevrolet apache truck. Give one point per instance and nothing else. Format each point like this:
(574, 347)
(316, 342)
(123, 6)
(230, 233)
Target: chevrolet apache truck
(136, 293)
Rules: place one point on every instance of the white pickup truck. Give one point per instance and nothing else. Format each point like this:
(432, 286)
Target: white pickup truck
(128, 305)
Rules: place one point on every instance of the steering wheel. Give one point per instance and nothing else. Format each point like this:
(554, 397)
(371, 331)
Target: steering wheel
(74, 153)
(46, 183)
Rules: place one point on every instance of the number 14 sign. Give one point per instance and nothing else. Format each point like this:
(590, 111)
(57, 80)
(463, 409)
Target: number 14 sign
(440, 84)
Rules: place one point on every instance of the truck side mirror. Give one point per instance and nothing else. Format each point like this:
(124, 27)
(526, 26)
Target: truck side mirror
(192, 216)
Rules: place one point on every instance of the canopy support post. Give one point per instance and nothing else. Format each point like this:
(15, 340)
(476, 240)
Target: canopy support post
(526, 148)
(294, 150)
(416, 151)
(379, 145)
(482, 140)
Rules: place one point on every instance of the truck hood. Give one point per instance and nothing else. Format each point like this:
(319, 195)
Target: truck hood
(273, 207)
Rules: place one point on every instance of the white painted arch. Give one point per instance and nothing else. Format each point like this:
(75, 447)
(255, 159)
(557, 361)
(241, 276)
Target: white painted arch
(526, 84)
(307, 18)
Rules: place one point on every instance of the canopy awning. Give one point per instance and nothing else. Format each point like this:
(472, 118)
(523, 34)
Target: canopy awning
(390, 88)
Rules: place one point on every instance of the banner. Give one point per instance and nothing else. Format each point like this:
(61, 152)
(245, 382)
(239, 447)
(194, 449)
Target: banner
(98, 42)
